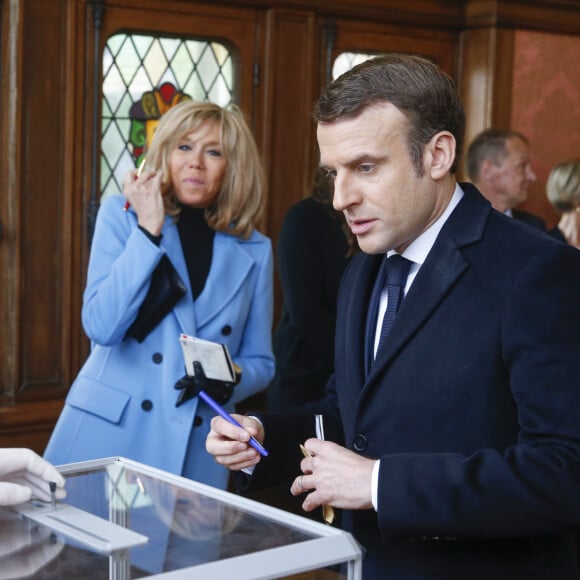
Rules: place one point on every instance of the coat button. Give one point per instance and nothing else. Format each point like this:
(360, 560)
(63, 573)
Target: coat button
(197, 421)
(157, 358)
(360, 442)
(227, 330)
(146, 405)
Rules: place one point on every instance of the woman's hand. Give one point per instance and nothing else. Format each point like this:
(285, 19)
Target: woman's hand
(143, 192)
(229, 444)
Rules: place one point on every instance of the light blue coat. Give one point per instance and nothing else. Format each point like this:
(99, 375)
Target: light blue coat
(123, 401)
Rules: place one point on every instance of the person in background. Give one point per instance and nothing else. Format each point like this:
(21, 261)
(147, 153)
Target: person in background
(456, 355)
(313, 250)
(25, 475)
(185, 257)
(498, 164)
(563, 192)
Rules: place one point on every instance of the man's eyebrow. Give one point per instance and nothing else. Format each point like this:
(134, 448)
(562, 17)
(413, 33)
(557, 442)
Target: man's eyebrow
(366, 157)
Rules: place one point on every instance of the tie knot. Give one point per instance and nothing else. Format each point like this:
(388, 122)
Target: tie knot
(397, 270)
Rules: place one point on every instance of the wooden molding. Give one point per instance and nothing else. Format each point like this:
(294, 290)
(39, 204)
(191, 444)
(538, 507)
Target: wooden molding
(560, 16)
(29, 424)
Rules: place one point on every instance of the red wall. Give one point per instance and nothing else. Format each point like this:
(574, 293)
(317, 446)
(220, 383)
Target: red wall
(546, 105)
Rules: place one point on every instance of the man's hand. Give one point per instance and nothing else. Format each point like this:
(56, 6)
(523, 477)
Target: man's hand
(334, 476)
(229, 444)
(24, 474)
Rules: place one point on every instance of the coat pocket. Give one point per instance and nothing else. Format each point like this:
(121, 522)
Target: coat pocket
(98, 399)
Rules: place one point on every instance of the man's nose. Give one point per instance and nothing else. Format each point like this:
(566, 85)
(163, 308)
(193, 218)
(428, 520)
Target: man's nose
(531, 176)
(344, 194)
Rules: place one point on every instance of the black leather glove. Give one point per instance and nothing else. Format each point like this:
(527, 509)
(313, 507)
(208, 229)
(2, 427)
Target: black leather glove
(220, 391)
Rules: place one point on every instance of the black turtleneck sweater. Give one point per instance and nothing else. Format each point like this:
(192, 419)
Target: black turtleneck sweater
(197, 244)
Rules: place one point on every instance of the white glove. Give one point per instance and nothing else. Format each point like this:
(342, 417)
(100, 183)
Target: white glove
(24, 474)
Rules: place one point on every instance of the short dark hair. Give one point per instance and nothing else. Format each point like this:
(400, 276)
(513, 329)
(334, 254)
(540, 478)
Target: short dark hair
(425, 94)
(489, 145)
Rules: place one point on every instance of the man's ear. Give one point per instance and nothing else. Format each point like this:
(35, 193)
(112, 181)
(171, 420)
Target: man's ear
(440, 154)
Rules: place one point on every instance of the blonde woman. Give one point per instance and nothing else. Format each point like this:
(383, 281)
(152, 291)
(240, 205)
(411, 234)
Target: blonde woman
(191, 213)
(563, 191)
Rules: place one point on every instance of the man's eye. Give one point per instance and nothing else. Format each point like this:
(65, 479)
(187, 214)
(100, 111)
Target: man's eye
(366, 168)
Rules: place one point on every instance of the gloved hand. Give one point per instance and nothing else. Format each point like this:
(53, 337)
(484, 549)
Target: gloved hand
(220, 391)
(24, 474)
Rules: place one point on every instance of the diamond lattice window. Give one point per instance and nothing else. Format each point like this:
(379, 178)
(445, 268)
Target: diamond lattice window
(143, 76)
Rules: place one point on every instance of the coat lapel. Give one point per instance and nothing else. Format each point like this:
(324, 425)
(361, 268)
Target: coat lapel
(358, 297)
(444, 265)
(230, 267)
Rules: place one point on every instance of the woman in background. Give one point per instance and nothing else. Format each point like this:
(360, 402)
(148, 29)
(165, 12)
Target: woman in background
(313, 250)
(189, 225)
(563, 191)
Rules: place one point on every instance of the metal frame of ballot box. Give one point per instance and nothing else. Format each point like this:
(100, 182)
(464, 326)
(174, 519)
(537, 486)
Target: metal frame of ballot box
(123, 520)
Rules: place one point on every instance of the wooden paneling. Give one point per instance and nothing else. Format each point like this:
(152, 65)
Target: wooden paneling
(39, 316)
(9, 186)
(290, 85)
(560, 16)
(437, 14)
(485, 79)
(36, 293)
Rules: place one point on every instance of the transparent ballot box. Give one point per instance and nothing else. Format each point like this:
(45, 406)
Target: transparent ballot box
(123, 520)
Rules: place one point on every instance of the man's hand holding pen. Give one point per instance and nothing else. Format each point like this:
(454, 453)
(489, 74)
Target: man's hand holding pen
(333, 475)
(143, 194)
(229, 444)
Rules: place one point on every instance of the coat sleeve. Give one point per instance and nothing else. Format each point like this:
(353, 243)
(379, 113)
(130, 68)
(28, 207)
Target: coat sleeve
(120, 266)
(532, 486)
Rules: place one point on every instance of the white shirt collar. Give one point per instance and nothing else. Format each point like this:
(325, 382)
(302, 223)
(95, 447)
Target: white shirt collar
(420, 247)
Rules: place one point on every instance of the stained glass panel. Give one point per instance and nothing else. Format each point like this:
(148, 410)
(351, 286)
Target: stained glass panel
(145, 75)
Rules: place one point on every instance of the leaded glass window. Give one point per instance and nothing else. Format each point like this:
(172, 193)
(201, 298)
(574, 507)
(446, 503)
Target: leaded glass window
(143, 76)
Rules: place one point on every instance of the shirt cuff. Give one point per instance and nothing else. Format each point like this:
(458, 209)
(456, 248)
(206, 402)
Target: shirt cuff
(375, 485)
(155, 239)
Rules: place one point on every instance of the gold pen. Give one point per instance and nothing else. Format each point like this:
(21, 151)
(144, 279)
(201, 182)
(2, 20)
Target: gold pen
(327, 510)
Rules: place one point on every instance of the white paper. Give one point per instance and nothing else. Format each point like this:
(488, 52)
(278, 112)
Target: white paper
(213, 356)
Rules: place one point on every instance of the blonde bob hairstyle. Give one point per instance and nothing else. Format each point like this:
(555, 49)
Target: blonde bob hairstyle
(238, 207)
(563, 186)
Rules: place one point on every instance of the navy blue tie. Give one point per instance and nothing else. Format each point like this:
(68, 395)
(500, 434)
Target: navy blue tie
(396, 277)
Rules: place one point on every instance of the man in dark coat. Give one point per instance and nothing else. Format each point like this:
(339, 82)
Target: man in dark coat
(460, 455)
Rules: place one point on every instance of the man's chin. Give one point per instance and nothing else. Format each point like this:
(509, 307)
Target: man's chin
(369, 246)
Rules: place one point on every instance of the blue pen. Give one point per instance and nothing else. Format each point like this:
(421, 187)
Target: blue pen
(223, 413)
